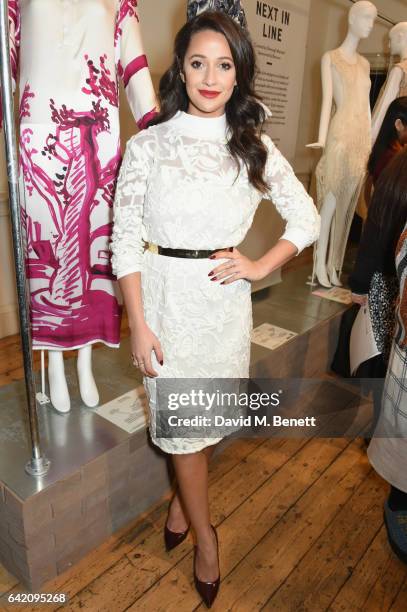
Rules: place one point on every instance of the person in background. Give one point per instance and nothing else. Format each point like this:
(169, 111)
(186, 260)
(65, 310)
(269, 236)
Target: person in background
(387, 451)
(374, 279)
(390, 141)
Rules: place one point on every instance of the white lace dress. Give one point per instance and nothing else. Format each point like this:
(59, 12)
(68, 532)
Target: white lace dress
(177, 189)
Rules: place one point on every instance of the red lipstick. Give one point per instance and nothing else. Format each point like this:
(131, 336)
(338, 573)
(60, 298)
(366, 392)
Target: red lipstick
(209, 94)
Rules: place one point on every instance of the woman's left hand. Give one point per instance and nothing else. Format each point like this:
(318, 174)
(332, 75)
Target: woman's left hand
(237, 267)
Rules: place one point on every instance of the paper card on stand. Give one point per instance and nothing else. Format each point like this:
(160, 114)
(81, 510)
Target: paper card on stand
(271, 336)
(127, 411)
(336, 294)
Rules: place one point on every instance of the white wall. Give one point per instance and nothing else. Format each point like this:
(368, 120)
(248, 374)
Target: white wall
(327, 29)
(160, 21)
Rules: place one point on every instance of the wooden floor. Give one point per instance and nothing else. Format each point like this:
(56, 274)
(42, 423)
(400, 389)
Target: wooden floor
(300, 527)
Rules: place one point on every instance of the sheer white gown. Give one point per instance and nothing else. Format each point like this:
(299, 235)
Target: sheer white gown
(342, 167)
(178, 187)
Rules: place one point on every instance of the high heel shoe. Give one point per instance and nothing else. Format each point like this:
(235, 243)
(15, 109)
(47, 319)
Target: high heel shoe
(207, 590)
(173, 538)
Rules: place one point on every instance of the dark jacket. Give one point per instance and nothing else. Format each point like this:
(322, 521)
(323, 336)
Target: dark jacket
(375, 254)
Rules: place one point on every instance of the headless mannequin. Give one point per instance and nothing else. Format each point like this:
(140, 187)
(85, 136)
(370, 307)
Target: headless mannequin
(361, 20)
(69, 158)
(391, 91)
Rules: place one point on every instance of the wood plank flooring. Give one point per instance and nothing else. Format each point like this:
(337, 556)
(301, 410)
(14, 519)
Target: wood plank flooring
(300, 526)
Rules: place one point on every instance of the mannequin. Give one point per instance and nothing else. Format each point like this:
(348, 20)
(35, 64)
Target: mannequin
(396, 83)
(346, 139)
(70, 55)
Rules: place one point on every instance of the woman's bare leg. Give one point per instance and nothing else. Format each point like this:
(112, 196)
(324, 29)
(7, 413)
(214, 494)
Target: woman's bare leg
(192, 476)
(178, 519)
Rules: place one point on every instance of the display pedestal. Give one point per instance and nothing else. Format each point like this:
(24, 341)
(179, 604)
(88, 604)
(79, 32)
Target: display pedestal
(46, 533)
(103, 477)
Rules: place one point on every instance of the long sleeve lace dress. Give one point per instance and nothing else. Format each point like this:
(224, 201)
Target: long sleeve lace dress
(179, 187)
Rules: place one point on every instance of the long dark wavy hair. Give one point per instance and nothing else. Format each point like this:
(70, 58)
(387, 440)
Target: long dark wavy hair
(244, 114)
(388, 133)
(389, 202)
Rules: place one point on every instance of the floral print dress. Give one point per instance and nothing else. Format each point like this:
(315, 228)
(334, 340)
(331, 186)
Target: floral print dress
(68, 57)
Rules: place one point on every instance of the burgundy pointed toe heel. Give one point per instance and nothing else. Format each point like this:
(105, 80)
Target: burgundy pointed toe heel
(207, 590)
(173, 538)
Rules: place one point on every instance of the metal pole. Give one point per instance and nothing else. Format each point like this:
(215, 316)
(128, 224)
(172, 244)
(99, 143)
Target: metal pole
(38, 465)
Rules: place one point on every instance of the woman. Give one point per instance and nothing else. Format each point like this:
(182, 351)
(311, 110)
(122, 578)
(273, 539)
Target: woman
(374, 278)
(388, 449)
(372, 263)
(190, 186)
(390, 141)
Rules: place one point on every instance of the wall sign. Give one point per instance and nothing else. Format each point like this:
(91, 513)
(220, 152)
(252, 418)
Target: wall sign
(279, 34)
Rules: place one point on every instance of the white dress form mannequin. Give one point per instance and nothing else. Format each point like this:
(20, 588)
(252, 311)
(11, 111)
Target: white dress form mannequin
(58, 386)
(69, 160)
(361, 20)
(396, 83)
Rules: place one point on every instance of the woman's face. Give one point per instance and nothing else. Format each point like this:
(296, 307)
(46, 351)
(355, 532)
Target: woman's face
(210, 74)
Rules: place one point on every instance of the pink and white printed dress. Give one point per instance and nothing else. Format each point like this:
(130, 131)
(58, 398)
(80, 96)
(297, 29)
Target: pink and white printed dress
(70, 55)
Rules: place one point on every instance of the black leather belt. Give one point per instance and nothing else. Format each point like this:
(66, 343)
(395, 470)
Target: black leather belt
(185, 253)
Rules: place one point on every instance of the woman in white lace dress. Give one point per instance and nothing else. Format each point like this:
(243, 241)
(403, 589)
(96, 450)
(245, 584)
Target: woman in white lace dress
(189, 185)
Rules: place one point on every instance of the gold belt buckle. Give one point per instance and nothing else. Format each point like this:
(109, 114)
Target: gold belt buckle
(153, 248)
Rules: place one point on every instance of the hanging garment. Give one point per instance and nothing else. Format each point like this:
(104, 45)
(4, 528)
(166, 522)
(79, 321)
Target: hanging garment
(70, 56)
(342, 167)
